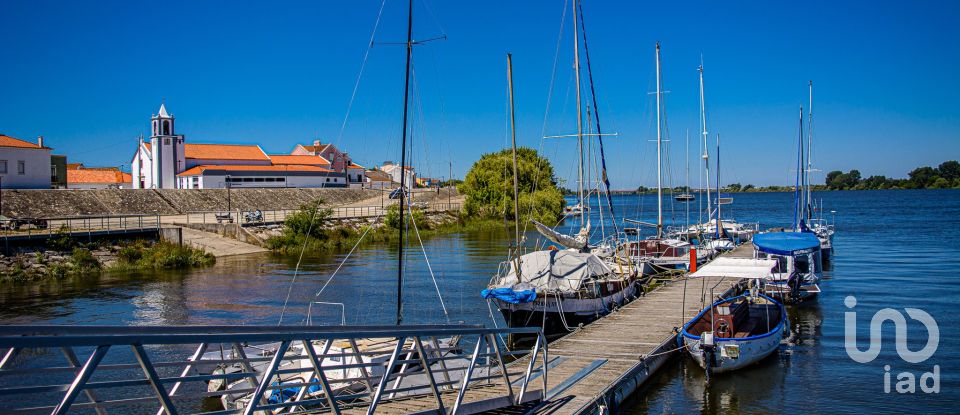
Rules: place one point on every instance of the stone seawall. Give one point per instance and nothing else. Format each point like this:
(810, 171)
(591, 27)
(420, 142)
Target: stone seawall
(64, 203)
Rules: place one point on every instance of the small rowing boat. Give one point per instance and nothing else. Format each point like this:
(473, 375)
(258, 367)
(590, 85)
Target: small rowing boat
(736, 332)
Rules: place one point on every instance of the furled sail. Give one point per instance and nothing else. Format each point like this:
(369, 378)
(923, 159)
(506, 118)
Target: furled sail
(576, 242)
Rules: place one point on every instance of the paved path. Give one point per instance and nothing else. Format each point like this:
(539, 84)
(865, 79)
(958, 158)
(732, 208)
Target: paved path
(218, 245)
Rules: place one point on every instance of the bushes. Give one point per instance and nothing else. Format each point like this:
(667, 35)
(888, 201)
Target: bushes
(308, 220)
(161, 255)
(489, 187)
(392, 220)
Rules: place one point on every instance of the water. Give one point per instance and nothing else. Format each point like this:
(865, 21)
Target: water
(896, 249)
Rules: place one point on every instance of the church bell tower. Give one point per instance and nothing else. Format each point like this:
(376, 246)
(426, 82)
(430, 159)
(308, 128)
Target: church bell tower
(166, 148)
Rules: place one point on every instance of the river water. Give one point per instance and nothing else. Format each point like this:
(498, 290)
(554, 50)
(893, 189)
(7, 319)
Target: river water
(893, 249)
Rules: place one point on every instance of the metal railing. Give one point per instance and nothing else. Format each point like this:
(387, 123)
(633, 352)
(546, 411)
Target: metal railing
(78, 224)
(279, 215)
(259, 369)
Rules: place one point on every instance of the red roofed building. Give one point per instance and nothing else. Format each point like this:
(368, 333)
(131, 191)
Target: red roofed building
(168, 162)
(98, 178)
(24, 165)
(340, 162)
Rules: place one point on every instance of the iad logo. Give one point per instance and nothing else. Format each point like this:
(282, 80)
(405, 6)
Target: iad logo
(906, 381)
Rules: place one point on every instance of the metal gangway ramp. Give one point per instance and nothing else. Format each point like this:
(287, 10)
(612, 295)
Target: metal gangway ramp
(267, 369)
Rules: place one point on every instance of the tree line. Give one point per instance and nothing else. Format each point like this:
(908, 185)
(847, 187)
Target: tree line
(944, 176)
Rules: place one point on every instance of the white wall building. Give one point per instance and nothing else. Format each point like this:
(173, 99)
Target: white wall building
(410, 181)
(24, 165)
(167, 162)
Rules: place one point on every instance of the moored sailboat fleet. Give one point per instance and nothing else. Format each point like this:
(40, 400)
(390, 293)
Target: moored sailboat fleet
(583, 276)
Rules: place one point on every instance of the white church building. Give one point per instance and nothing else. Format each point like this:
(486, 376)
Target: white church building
(166, 161)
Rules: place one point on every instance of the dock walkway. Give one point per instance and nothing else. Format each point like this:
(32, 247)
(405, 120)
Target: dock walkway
(597, 367)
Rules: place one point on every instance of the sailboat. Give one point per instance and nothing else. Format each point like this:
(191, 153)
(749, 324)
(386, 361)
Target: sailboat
(798, 252)
(561, 288)
(659, 253)
(819, 225)
(716, 234)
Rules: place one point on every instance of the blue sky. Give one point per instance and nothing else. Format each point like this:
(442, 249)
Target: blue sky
(88, 75)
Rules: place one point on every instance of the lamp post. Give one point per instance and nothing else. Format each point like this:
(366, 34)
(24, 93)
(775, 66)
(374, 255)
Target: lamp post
(229, 205)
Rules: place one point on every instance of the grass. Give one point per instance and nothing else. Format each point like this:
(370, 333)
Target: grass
(143, 255)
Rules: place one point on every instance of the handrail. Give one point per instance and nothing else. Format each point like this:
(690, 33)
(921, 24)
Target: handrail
(265, 368)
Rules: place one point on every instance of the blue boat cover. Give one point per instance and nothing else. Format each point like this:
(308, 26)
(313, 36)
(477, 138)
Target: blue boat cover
(786, 243)
(509, 295)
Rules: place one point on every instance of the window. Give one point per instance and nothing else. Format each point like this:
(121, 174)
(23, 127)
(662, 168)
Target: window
(3, 166)
(258, 179)
(21, 167)
(247, 179)
(281, 179)
(166, 141)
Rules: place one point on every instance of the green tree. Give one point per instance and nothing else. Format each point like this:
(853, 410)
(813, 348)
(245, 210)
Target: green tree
(949, 170)
(833, 181)
(923, 177)
(734, 187)
(488, 187)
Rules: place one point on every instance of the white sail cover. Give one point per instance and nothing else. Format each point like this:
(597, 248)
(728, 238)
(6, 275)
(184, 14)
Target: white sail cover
(737, 268)
(554, 270)
(575, 242)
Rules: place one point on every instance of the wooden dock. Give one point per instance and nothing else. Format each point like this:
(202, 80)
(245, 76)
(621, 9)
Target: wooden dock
(596, 368)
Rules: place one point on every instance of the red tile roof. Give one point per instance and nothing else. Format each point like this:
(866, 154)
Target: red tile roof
(286, 159)
(97, 177)
(355, 166)
(197, 170)
(7, 141)
(222, 151)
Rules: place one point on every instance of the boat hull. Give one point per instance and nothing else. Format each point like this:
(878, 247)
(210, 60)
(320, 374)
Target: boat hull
(560, 318)
(733, 354)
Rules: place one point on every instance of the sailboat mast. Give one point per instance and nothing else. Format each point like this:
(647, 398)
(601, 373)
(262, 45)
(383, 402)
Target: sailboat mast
(513, 128)
(686, 158)
(719, 222)
(706, 151)
(403, 163)
(810, 154)
(576, 68)
(659, 157)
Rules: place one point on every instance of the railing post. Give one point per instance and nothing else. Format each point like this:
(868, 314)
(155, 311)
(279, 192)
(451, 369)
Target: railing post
(85, 372)
(468, 374)
(267, 376)
(153, 379)
(197, 355)
(72, 359)
(386, 376)
(503, 367)
(318, 371)
(526, 376)
(425, 362)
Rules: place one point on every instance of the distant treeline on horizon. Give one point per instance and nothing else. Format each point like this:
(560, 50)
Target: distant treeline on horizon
(944, 176)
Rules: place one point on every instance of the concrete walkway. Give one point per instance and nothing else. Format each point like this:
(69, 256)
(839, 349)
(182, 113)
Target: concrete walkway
(218, 245)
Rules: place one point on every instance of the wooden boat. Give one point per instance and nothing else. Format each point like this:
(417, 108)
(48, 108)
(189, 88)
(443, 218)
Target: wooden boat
(736, 332)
